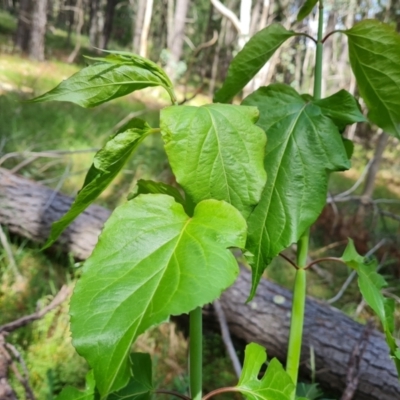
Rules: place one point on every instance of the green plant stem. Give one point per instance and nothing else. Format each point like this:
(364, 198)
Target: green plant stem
(196, 353)
(319, 53)
(298, 307)
(299, 294)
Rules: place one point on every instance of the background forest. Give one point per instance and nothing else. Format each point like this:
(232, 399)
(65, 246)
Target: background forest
(45, 41)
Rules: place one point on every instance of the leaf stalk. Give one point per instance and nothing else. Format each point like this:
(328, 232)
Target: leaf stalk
(319, 54)
(298, 308)
(219, 391)
(299, 294)
(196, 353)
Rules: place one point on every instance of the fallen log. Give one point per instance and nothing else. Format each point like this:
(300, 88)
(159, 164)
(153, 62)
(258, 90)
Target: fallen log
(28, 209)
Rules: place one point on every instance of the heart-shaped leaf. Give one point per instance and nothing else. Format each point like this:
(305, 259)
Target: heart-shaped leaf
(109, 78)
(274, 385)
(370, 284)
(151, 261)
(303, 146)
(374, 50)
(255, 53)
(107, 162)
(216, 151)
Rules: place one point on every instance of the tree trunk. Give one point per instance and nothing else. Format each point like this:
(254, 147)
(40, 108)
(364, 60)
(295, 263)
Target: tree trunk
(24, 25)
(145, 28)
(331, 334)
(28, 209)
(94, 22)
(374, 168)
(38, 30)
(38, 207)
(177, 36)
(79, 24)
(215, 63)
(69, 9)
(108, 23)
(328, 52)
(137, 26)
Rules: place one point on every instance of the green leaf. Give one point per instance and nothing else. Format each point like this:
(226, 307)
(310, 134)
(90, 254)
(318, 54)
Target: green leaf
(274, 385)
(349, 146)
(369, 280)
(71, 393)
(140, 386)
(303, 146)
(370, 284)
(109, 78)
(374, 50)
(342, 108)
(151, 261)
(108, 161)
(308, 391)
(216, 151)
(151, 187)
(255, 53)
(306, 9)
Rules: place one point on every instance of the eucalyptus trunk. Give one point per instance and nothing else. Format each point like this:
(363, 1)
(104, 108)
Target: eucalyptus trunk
(38, 30)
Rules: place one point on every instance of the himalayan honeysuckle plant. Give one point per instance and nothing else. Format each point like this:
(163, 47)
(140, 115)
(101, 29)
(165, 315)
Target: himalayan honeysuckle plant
(252, 176)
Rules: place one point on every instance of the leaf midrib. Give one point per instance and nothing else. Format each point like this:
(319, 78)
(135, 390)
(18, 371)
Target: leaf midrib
(299, 112)
(123, 359)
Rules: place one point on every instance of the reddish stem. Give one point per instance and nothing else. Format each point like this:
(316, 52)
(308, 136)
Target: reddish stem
(219, 391)
(306, 35)
(329, 34)
(324, 259)
(289, 260)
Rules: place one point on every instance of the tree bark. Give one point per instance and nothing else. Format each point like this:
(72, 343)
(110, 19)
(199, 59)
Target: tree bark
(94, 22)
(28, 209)
(78, 9)
(145, 28)
(176, 44)
(108, 23)
(38, 30)
(24, 25)
(331, 334)
(374, 168)
(137, 26)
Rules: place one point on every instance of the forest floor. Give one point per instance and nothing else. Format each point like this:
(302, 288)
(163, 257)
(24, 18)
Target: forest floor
(28, 132)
